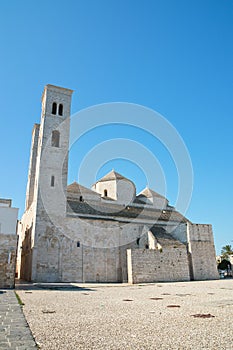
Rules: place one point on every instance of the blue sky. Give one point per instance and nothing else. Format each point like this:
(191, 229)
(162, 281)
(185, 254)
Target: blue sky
(175, 57)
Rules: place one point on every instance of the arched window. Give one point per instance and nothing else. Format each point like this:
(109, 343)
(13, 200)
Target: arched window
(54, 108)
(55, 138)
(52, 181)
(81, 198)
(60, 109)
(105, 193)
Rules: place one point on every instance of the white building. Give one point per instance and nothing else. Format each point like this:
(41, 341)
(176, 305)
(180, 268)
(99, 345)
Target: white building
(8, 217)
(8, 243)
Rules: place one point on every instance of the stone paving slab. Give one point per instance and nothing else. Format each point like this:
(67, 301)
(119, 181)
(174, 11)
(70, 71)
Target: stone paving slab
(14, 330)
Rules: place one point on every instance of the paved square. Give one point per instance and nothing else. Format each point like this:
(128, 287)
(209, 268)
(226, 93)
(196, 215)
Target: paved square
(185, 315)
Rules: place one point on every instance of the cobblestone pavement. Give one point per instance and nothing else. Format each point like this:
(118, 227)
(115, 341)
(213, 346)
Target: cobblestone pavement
(14, 330)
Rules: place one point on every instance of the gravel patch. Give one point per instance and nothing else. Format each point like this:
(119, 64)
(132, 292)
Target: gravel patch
(133, 317)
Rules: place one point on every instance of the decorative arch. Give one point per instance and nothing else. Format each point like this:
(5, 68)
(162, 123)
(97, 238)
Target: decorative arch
(48, 262)
(54, 242)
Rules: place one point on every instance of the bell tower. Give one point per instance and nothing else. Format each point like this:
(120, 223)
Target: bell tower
(53, 149)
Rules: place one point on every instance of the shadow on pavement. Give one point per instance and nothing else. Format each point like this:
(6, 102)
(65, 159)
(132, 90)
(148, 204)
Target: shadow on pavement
(24, 285)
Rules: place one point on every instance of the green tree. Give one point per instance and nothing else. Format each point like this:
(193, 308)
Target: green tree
(226, 251)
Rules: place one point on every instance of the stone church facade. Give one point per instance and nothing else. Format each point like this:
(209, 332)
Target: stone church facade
(104, 234)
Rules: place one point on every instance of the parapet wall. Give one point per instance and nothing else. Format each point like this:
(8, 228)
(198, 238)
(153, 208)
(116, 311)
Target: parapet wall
(8, 247)
(153, 265)
(200, 232)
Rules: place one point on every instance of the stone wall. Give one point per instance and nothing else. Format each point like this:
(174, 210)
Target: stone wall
(153, 265)
(121, 190)
(32, 166)
(8, 248)
(110, 186)
(80, 251)
(202, 252)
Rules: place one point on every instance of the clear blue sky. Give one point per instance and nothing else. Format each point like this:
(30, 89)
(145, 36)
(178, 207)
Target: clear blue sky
(175, 57)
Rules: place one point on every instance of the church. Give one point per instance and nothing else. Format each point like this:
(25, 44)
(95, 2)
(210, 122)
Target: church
(70, 233)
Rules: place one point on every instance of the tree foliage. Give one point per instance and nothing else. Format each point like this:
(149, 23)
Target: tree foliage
(224, 265)
(226, 251)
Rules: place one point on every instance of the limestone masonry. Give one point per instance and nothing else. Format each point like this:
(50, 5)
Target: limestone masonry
(104, 234)
(8, 243)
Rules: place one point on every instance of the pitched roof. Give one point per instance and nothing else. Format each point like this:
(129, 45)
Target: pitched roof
(79, 189)
(128, 212)
(147, 192)
(113, 175)
(163, 237)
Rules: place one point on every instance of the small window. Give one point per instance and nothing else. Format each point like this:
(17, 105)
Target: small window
(138, 240)
(147, 246)
(52, 181)
(60, 109)
(54, 108)
(78, 244)
(55, 138)
(81, 198)
(105, 193)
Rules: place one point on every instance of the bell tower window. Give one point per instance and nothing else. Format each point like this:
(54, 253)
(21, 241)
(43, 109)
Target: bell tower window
(105, 193)
(55, 138)
(54, 108)
(60, 109)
